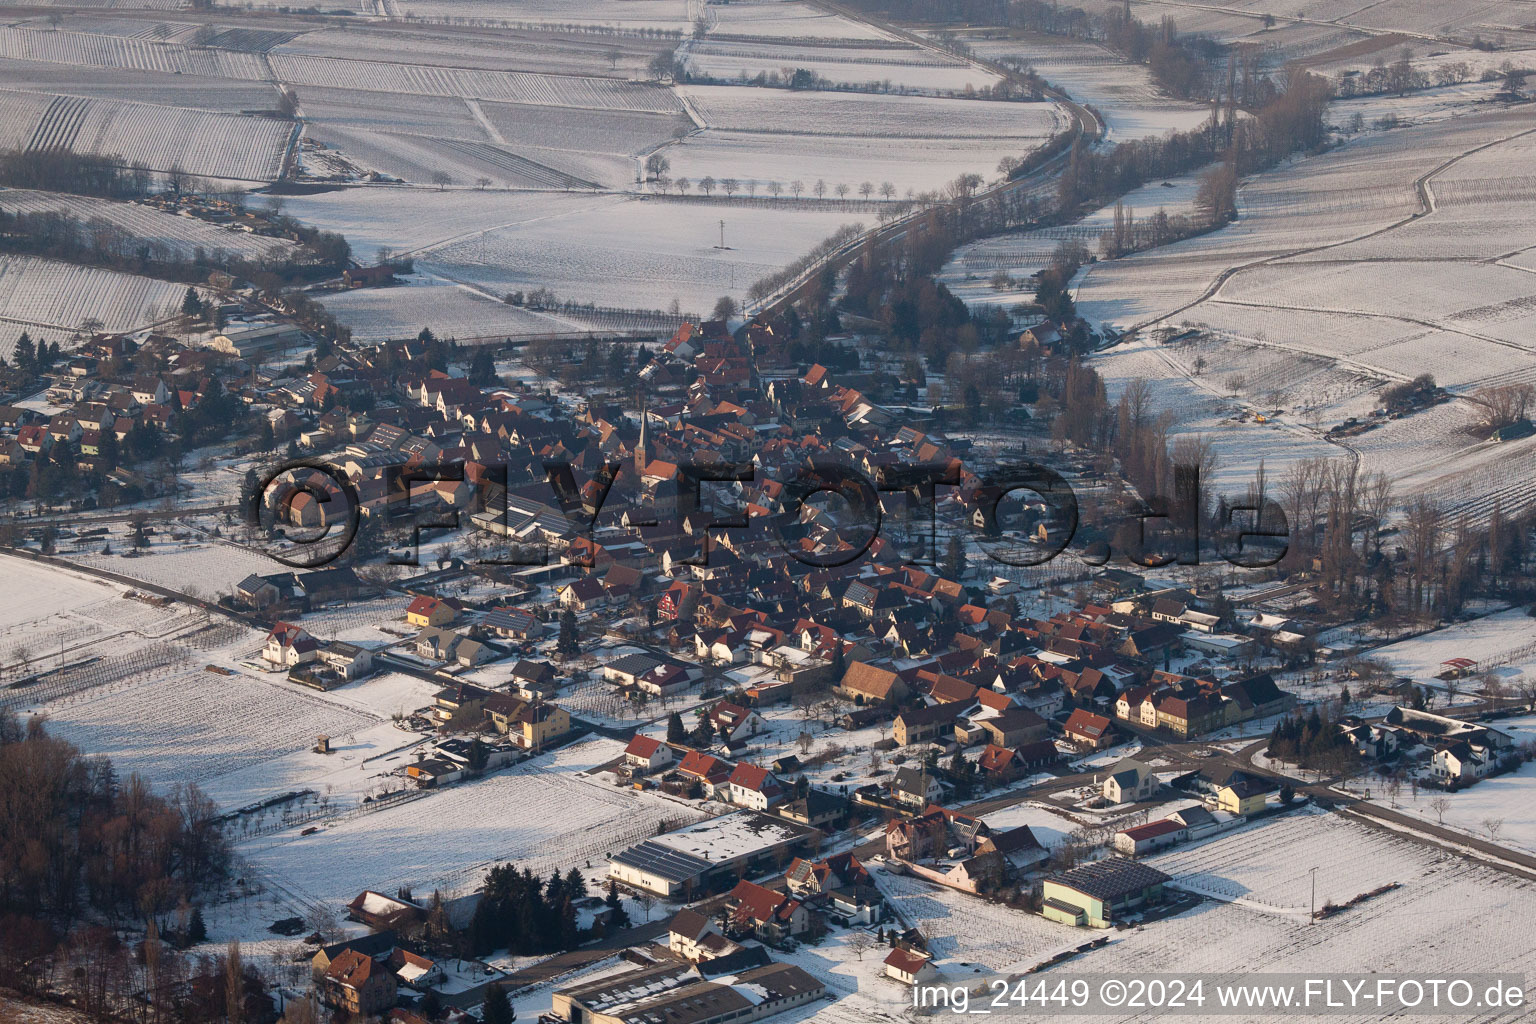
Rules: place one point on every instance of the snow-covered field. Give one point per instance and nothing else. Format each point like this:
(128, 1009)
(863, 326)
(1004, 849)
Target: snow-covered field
(1019, 254)
(543, 814)
(1122, 93)
(892, 68)
(632, 252)
(1268, 866)
(1324, 264)
(452, 311)
(212, 567)
(1448, 917)
(194, 725)
(1502, 642)
(38, 295)
(964, 930)
(248, 149)
(51, 613)
(144, 225)
(1505, 799)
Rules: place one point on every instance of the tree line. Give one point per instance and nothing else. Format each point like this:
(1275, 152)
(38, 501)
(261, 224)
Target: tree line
(84, 852)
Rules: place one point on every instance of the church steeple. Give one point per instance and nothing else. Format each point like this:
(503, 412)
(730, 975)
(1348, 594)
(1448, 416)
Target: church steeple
(640, 462)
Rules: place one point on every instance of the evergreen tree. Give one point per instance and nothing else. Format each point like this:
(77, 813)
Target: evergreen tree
(497, 1008)
(954, 558)
(25, 353)
(191, 305)
(676, 733)
(569, 643)
(615, 904)
(197, 929)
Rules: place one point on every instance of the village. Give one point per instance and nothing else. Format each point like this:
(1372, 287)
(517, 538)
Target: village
(827, 736)
(705, 511)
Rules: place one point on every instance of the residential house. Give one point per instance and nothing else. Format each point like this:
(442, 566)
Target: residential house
(915, 788)
(646, 754)
(695, 937)
(1014, 726)
(530, 724)
(734, 723)
(1462, 763)
(754, 787)
(918, 725)
(1241, 793)
(818, 809)
(289, 645)
(358, 985)
(712, 774)
(864, 683)
(426, 611)
(909, 967)
(1088, 731)
(382, 912)
(767, 915)
(1129, 781)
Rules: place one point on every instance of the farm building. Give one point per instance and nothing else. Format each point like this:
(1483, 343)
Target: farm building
(702, 856)
(1095, 894)
(1151, 836)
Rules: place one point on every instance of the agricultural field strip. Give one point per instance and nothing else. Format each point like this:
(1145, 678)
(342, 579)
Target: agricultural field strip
(748, 109)
(61, 295)
(159, 137)
(507, 86)
(1426, 207)
(147, 225)
(86, 50)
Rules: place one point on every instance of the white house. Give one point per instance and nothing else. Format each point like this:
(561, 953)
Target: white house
(1151, 836)
(754, 787)
(1128, 781)
(908, 968)
(646, 754)
(289, 645)
(1462, 762)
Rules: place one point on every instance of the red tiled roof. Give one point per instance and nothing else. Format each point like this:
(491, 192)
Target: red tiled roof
(643, 746)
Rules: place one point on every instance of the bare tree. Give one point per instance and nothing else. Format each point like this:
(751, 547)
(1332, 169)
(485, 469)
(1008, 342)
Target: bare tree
(797, 186)
(1493, 826)
(482, 183)
(234, 984)
(775, 189)
(860, 941)
(646, 902)
(841, 190)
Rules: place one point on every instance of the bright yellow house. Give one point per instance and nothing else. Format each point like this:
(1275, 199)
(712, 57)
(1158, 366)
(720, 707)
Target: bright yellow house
(1244, 794)
(429, 611)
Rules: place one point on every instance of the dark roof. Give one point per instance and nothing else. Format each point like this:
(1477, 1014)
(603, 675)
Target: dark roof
(376, 944)
(932, 713)
(634, 664)
(663, 861)
(743, 959)
(1110, 879)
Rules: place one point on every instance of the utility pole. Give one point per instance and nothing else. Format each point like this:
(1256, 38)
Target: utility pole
(722, 234)
(1313, 919)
